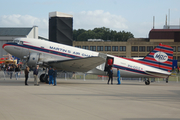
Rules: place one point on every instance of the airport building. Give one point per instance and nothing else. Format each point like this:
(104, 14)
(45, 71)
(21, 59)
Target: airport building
(136, 47)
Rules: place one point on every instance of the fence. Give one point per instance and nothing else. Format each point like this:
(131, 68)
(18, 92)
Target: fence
(83, 76)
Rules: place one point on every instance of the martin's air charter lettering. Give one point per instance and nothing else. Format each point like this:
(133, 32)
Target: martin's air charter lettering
(69, 51)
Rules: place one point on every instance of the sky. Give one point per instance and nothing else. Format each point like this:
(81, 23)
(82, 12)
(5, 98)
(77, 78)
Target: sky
(135, 16)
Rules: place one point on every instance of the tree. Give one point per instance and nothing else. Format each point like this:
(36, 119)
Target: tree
(101, 33)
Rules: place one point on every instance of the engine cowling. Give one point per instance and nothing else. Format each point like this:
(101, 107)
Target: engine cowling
(33, 59)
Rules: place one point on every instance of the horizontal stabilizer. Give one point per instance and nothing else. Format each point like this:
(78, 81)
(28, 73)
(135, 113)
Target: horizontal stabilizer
(157, 74)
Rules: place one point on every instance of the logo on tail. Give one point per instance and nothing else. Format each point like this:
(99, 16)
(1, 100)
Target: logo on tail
(160, 56)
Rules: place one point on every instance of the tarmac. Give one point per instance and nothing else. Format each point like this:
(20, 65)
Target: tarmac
(89, 100)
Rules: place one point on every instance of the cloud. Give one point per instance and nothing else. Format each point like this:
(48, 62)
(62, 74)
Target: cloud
(98, 18)
(17, 20)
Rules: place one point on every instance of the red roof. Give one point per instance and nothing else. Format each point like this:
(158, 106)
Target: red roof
(165, 30)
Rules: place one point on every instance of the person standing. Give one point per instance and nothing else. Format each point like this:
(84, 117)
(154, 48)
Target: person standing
(177, 69)
(26, 71)
(118, 76)
(50, 74)
(11, 71)
(35, 73)
(54, 75)
(17, 72)
(110, 76)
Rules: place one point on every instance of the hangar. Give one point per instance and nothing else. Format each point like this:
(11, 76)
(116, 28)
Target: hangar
(8, 34)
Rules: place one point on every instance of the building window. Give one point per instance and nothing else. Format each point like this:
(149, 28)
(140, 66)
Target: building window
(122, 56)
(93, 48)
(114, 48)
(174, 48)
(122, 48)
(178, 58)
(78, 46)
(107, 48)
(141, 48)
(134, 48)
(174, 57)
(85, 47)
(99, 48)
(178, 48)
(149, 48)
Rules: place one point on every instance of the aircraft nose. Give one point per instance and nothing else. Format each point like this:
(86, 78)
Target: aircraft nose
(4, 46)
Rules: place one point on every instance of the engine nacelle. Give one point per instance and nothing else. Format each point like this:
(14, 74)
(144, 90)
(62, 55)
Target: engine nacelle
(33, 59)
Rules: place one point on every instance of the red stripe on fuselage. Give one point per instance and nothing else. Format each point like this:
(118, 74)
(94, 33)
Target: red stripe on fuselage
(147, 63)
(149, 58)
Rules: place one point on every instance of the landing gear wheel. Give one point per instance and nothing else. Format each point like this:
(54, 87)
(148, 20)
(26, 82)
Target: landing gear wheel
(42, 79)
(147, 82)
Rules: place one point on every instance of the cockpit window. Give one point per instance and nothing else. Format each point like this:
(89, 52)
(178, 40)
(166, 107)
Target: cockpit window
(16, 41)
(21, 42)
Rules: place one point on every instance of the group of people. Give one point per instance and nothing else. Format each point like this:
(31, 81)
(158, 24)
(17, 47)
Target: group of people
(10, 69)
(110, 72)
(52, 74)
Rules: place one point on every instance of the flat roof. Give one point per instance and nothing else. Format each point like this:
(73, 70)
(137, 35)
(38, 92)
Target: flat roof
(14, 31)
(165, 30)
(59, 14)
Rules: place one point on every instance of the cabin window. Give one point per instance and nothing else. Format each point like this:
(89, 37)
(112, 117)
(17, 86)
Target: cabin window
(68, 55)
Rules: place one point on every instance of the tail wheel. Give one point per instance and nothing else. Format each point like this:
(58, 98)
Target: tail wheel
(42, 79)
(147, 82)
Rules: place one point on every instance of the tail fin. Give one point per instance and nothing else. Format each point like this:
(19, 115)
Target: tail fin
(161, 57)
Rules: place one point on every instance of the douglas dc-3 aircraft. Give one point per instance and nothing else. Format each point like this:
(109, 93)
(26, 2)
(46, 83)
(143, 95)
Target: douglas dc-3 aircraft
(158, 63)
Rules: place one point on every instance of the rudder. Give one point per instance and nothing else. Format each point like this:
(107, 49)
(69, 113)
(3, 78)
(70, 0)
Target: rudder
(161, 57)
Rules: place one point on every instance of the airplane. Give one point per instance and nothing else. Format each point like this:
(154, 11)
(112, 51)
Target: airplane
(157, 64)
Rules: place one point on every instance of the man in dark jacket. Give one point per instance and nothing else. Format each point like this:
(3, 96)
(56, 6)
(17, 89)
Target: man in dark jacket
(54, 75)
(17, 72)
(110, 76)
(50, 75)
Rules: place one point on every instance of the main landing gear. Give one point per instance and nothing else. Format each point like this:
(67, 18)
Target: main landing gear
(147, 82)
(44, 77)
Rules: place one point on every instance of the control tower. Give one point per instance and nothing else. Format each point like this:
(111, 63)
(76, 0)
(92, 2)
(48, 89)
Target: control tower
(61, 28)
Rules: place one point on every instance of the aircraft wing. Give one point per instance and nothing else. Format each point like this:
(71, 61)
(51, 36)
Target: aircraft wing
(77, 65)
